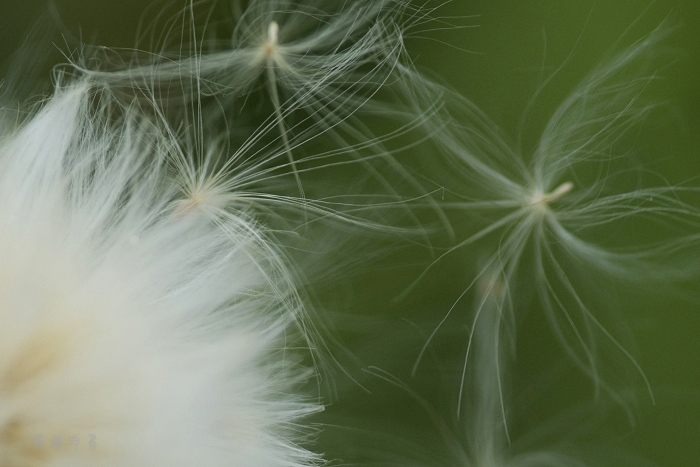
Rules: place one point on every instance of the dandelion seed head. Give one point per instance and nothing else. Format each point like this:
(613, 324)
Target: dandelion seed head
(123, 316)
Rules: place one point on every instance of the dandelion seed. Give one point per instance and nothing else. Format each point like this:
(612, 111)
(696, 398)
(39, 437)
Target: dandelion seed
(317, 64)
(541, 213)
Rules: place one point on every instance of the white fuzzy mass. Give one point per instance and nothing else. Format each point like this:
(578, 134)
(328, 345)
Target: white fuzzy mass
(134, 332)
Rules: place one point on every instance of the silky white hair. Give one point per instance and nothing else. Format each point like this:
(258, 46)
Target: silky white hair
(130, 317)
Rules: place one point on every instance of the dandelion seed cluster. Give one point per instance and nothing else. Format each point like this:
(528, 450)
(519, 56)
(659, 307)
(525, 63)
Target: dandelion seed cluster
(186, 228)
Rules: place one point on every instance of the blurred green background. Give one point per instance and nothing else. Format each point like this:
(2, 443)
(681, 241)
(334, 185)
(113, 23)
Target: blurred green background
(499, 61)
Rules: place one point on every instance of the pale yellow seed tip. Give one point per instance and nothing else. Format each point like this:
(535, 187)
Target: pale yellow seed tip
(273, 32)
(560, 191)
(542, 199)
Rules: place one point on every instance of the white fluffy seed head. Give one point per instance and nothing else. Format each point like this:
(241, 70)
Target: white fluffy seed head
(133, 331)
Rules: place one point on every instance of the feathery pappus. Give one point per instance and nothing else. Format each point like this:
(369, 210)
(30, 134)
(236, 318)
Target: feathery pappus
(129, 316)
